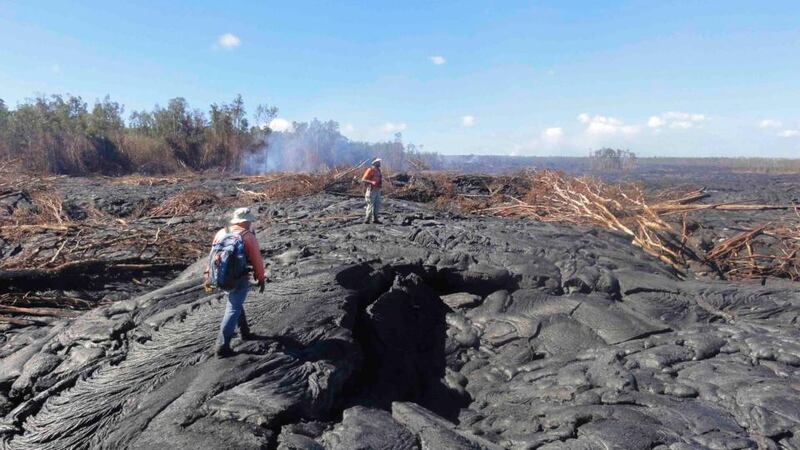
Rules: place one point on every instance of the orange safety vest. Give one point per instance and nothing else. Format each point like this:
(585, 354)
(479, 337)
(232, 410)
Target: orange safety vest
(373, 174)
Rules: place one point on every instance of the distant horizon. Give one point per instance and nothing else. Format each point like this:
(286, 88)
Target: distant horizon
(711, 79)
(638, 157)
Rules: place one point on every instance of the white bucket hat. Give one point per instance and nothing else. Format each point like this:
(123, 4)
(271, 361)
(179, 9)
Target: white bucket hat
(242, 215)
(376, 161)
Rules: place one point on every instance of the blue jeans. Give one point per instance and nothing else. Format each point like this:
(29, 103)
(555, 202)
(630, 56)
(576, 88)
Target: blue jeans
(233, 310)
(373, 199)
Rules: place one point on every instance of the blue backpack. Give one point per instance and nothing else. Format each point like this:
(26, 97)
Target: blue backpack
(227, 262)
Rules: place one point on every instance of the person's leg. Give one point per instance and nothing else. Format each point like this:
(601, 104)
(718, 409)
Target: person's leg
(368, 198)
(233, 309)
(244, 327)
(376, 206)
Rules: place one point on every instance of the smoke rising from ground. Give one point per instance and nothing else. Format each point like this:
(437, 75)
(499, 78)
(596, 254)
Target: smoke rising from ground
(317, 145)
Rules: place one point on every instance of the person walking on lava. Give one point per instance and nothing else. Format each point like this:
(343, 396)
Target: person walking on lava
(374, 181)
(234, 251)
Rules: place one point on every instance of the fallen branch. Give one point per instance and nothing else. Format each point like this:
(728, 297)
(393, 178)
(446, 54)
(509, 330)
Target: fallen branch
(662, 209)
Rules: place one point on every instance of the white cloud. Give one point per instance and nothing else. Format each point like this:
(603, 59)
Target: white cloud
(603, 125)
(390, 127)
(438, 60)
(553, 134)
(278, 124)
(656, 122)
(348, 128)
(55, 68)
(228, 41)
(681, 124)
(675, 119)
(674, 115)
(770, 123)
(789, 133)
(468, 121)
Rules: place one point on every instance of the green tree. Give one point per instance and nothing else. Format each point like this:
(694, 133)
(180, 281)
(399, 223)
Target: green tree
(183, 131)
(49, 134)
(106, 127)
(228, 135)
(142, 122)
(106, 120)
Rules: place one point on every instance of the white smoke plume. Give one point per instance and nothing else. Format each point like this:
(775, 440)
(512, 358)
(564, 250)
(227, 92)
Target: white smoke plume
(317, 145)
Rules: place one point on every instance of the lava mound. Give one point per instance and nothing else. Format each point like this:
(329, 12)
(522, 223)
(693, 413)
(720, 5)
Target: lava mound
(431, 332)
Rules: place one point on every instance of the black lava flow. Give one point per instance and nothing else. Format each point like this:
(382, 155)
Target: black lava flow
(433, 331)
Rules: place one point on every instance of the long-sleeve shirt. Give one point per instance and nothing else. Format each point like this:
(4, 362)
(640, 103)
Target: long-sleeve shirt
(374, 177)
(251, 249)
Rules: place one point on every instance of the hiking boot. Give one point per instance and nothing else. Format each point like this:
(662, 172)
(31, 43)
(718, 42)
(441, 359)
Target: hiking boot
(376, 221)
(366, 221)
(223, 351)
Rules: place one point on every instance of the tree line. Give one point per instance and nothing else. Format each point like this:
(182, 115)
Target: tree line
(62, 134)
(609, 159)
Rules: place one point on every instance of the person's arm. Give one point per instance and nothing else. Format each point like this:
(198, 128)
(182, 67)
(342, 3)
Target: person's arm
(253, 254)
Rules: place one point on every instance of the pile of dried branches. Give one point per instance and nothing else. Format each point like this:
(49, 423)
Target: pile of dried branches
(281, 186)
(185, 202)
(32, 213)
(555, 197)
(26, 199)
(141, 240)
(37, 206)
(770, 250)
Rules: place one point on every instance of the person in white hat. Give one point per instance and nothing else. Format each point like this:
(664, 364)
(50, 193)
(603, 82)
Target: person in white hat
(374, 181)
(240, 227)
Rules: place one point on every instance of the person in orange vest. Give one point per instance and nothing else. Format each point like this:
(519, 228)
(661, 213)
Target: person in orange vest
(374, 181)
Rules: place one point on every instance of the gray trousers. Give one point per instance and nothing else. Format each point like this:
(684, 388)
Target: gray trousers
(373, 199)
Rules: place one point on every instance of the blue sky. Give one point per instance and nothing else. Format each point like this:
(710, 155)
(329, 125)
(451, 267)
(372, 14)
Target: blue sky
(670, 78)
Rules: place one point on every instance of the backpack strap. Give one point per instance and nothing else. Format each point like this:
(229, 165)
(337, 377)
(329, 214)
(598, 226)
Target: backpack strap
(240, 233)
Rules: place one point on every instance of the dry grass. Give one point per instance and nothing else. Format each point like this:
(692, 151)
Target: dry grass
(148, 154)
